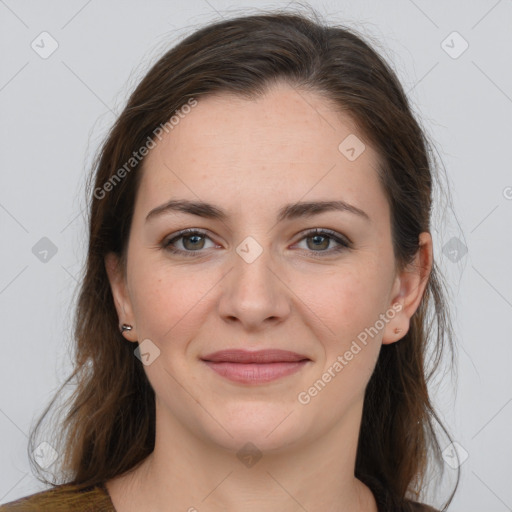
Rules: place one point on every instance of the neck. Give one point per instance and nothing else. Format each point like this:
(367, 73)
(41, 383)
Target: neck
(194, 474)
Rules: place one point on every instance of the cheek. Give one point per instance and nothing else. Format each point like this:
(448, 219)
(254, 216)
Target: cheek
(167, 300)
(350, 304)
(348, 300)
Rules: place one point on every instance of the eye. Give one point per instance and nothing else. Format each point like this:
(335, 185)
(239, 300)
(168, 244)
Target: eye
(322, 238)
(191, 241)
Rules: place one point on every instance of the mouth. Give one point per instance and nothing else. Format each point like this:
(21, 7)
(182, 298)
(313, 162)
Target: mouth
(255, 367)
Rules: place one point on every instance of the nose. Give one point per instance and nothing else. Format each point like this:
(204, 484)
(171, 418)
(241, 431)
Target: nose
(253, 293)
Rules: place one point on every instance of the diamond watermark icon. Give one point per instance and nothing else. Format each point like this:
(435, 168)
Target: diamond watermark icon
(454, 249)
(351, 147)
(45, 455)
(249, 249)
(454, 45)
(455, 455)
(44, 250)
(147, 352)
(44, 45)
(249, 454)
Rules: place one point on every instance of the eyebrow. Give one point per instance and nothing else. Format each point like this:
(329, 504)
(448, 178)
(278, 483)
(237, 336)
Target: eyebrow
(287, 212)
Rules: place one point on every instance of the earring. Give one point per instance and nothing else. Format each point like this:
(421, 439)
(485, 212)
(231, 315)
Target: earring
(125, 327)
(398, 330)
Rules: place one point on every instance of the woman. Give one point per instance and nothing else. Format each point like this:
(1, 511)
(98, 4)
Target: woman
(253, 321)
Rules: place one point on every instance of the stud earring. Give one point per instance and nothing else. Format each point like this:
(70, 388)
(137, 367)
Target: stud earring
(398, 330)
(125, 327)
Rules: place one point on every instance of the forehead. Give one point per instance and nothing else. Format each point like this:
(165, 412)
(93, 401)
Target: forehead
(280, 147)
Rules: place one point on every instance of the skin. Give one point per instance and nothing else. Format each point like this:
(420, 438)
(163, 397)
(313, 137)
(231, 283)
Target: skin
(251, 158)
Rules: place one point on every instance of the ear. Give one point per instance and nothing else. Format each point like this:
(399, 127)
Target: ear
(120, 293)
(408, 290)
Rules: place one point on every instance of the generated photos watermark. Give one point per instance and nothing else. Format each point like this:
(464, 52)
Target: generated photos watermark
(304, 397)
(137, 156)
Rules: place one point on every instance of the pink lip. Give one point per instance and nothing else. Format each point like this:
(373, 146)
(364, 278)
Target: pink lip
(254, 367)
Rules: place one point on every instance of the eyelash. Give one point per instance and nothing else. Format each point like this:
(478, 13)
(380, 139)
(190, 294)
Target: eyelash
(343, 243)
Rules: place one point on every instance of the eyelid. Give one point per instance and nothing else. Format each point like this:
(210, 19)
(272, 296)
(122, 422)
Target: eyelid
(326, 231)
(167, 241)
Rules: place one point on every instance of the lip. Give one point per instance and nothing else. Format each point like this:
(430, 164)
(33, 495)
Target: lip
(233, 355)
(255, 367)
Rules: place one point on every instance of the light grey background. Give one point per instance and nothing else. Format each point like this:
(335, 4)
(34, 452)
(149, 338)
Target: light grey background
(55, 111)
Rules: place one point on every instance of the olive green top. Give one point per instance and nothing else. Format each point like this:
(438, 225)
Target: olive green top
(64, 498)
(69, 498)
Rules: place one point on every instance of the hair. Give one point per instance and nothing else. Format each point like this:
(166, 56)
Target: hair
(109, 427)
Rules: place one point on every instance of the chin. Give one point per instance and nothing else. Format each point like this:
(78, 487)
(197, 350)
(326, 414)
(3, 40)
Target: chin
(269, 427)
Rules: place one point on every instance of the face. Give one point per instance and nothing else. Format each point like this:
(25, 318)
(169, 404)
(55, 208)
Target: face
(259, 280)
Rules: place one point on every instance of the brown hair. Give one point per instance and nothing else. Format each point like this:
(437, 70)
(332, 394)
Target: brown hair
(110, 425)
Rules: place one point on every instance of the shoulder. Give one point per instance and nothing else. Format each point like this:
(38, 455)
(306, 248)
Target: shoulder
(406, 506)
(63, 498)
(387, 502)
(419, 507)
